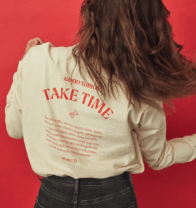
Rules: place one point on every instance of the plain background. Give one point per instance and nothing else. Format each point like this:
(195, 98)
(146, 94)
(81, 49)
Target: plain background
(57, 22)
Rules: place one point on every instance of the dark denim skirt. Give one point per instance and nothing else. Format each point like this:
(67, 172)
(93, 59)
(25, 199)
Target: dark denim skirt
(67, 192)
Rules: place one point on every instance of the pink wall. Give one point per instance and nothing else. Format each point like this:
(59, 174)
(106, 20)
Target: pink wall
(57, 22)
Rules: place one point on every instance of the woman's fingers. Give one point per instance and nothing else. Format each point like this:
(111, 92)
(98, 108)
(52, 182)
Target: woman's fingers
(31, 43)
(39, 41)
(34, 43)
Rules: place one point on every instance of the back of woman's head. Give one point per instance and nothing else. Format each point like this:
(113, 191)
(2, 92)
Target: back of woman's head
(132, 41)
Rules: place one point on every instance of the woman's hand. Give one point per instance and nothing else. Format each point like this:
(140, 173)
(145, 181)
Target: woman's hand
(31, 43)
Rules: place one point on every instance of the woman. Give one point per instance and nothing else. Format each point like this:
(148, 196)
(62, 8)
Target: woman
(86, 146)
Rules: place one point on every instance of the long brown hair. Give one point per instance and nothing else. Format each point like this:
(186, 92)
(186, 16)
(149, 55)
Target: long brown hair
(132, 40)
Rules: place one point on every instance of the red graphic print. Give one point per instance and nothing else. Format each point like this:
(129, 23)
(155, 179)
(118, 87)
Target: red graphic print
(71, 141)
(74, 113)
(72, 95)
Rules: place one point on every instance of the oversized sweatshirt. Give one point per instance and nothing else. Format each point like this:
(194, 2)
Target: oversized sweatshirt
(70, 131)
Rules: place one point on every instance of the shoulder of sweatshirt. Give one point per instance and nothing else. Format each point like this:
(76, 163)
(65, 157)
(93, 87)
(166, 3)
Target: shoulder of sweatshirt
(46, 51)
(146, 116)
(152, 118)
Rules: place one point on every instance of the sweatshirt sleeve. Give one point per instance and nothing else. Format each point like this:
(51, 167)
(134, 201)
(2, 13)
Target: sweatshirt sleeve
(13, 108)
(156, 151)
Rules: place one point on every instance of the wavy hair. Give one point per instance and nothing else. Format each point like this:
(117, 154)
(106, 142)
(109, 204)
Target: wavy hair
(132, 42)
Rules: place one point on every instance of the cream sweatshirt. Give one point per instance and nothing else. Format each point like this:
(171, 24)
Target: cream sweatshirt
(71, 132)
